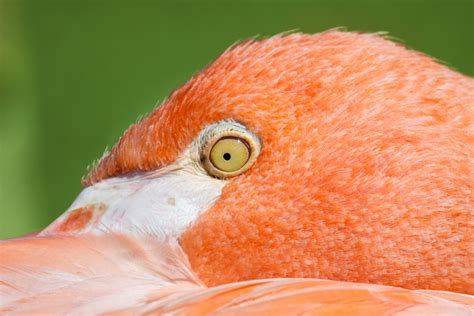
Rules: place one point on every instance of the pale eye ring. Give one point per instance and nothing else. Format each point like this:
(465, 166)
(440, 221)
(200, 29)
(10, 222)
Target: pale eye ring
(230, 153)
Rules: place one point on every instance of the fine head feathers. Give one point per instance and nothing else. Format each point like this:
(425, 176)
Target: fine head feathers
(365, 172)
(278, 84)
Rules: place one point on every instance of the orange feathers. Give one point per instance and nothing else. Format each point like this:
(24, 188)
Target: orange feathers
(366, 174)
(367, 168)
(121, 275)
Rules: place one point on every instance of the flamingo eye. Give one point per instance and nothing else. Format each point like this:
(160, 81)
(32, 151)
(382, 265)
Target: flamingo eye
(229, 154)
(230, 150)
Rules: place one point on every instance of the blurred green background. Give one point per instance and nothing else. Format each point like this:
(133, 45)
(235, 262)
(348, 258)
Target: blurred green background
(75, 74)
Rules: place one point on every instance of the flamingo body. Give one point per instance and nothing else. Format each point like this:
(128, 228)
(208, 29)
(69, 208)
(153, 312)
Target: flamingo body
(123, 275)
(356, 195)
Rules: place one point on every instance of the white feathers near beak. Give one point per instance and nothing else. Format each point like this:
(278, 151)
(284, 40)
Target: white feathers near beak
(162, 206)
(161, 203)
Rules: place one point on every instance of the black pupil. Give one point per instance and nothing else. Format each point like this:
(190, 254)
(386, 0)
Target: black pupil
(226, 156)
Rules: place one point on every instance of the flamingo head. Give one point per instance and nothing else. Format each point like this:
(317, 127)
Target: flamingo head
(337, 155)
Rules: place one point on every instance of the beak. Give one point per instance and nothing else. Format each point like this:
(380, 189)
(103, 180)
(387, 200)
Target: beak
(161, 203)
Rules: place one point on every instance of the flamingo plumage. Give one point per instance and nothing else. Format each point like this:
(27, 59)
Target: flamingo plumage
(322, 174)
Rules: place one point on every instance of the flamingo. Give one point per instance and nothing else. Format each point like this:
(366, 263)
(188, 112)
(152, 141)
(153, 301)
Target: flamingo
(322, 174)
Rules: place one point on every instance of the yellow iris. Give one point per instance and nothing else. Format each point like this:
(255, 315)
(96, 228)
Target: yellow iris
(229, 154)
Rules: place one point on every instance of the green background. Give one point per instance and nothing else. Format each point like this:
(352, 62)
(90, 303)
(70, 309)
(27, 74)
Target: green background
(75, 74)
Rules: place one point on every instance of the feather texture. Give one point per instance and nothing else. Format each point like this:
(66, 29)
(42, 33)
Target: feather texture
(365, 175)
(127, 275)
(89, 274)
